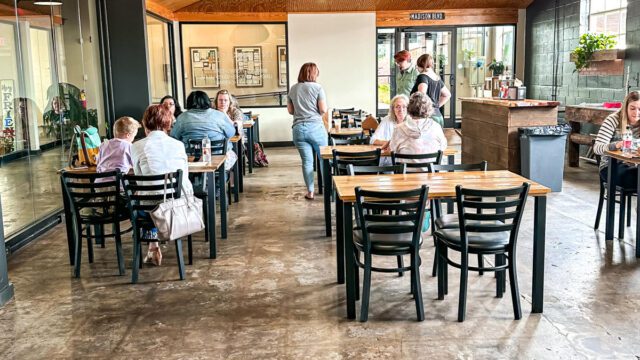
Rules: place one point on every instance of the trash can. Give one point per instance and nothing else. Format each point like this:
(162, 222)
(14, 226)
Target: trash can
(542, 151)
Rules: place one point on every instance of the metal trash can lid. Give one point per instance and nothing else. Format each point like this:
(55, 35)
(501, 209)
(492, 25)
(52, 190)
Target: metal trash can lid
(548, 130)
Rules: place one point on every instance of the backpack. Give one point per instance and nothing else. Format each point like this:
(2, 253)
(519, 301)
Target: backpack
(88, 145)
(259, 157)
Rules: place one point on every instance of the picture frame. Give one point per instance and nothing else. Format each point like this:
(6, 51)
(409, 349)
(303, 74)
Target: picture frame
(248, 66)
(281, 53)
(205, 67)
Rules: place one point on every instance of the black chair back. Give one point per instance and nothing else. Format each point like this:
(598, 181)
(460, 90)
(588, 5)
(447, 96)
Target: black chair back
(93, 197)
(391, 212)
(219, 147)
(247, 114)
(481, 166)
(343, 158)
(417, 162)
(349, 141)
(491, 211)
(350, 112)
(145, 192)
(376, 170)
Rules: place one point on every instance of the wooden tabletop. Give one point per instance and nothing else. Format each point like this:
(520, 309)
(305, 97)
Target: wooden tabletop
(526, 103)
(235, 138)
(633, 159)
(441, 185)
(326, 152)
(347, 131)
(194, 167)
(248, 125)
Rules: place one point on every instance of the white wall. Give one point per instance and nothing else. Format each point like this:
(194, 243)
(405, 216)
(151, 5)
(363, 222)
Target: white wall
(344, 48)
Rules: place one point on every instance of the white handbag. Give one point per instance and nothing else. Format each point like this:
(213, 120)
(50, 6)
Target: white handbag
(177, 218)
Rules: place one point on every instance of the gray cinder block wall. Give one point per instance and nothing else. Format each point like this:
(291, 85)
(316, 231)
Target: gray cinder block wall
(573, 88)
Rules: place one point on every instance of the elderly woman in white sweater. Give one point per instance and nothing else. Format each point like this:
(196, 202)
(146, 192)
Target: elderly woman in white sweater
(610, 138)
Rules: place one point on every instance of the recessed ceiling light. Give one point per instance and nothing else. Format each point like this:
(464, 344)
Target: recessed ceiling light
(48, 3)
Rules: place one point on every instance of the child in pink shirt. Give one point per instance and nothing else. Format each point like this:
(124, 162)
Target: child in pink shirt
(116, 153)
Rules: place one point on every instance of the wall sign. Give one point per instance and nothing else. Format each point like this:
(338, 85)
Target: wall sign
(427, 16)
(205, 67)
(6, 98)
(248, 66)
(282, 65)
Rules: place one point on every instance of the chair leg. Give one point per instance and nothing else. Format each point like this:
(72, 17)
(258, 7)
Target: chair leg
(356, 275)
(137, 262)
(205, 214)
(190, 249)
(366, 288)
(499, 276)
(623, 206)
(89, 244)
(513, 282)
(599, 211)
(417, 292)
(629, 210)
(400, 265)
(440, 263)
(116, 231)
(78, 254)
(180, 258)
(480, 264)
(464, 276)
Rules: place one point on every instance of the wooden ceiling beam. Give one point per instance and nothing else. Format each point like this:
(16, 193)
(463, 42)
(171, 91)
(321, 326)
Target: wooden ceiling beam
(155, 7)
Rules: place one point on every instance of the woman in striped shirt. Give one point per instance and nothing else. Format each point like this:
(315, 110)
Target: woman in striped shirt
(609, 138)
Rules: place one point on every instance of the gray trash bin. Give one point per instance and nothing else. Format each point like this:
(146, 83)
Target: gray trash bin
(542, 154)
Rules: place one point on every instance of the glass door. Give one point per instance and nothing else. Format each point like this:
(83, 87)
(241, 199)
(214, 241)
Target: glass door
(440, 43)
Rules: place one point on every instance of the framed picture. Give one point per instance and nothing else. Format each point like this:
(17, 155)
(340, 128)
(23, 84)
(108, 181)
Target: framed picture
(248, 61)
(282, 65)
(205, 67)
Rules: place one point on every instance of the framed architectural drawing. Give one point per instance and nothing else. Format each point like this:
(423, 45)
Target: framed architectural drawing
(205, 67)
(282, 65)
(248, 66)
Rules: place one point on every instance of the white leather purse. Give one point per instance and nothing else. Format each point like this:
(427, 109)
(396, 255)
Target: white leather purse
(177, 218)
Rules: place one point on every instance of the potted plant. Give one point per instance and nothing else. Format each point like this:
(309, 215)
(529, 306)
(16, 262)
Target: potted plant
(588, 45)
(8, 140)
(497, 67)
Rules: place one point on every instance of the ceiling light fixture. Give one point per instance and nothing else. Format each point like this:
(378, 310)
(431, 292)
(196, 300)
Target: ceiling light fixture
(48, 3)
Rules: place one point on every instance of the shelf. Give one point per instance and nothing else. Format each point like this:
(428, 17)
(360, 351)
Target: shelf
(604, 63)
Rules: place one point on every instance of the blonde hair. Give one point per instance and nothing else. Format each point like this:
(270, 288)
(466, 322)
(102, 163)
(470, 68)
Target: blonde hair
(623, 112)
(125, 125)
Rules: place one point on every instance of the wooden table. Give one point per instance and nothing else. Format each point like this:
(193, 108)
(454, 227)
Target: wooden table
(441, 185)
(348, 131)
(576, 116)
(215, 166)
(238, 176)
(326, 154)
(615, 157)
(250, 142)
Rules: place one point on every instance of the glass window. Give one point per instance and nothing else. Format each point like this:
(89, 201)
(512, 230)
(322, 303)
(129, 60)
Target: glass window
(158, 48)
(249, 60)
(386, 64)
(49, 81)
(609, 17)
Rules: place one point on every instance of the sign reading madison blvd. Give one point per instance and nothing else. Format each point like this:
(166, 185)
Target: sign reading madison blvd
(427, 16)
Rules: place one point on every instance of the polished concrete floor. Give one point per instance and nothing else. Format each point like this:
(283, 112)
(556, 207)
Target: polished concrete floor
(272, 293)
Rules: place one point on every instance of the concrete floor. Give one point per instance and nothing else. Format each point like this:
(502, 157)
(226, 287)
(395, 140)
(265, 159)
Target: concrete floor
(272, 293)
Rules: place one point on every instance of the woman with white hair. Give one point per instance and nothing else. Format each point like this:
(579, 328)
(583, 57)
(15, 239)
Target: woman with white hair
(397, 115)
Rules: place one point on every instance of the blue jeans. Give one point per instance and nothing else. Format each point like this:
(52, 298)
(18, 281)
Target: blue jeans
(308, 137)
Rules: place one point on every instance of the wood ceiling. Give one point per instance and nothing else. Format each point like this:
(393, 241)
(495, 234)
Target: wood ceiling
(210, 6)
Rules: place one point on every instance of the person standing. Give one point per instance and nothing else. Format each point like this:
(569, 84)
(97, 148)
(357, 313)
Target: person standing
(406, 74)
(428, 82)
(307, 103)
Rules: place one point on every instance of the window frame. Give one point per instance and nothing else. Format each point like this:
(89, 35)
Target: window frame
(608, 12)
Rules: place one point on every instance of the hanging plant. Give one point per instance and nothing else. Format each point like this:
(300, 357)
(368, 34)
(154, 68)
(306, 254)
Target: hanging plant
(497, 67)
(590, 43)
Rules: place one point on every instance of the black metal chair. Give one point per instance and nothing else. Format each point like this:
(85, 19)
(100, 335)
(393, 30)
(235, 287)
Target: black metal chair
(389, 225)
(489, 223)
(144, 192)
(341, 159)
(95, 200)
(450, 221)
(622, 197)
(417, 162)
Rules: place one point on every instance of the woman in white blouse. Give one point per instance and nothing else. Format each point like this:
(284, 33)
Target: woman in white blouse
(397, 115)
(157, 154)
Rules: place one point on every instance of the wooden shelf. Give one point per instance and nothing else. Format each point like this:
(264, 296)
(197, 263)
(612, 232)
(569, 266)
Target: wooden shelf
(604, 62)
